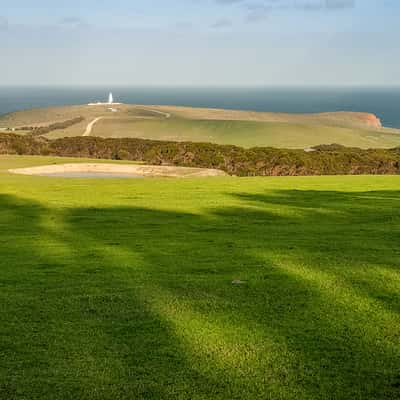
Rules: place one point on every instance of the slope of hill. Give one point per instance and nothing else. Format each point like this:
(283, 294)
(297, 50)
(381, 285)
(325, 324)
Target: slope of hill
(242, 128)
(225, 288)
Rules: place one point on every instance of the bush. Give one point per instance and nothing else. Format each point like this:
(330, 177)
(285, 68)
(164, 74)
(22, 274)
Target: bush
(38, 131)
(326, 160)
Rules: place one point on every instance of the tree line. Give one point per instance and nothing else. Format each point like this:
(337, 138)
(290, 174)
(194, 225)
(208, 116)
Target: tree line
(43, 130)
(258, 161)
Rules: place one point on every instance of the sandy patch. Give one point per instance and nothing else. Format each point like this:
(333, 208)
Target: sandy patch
(118, 170)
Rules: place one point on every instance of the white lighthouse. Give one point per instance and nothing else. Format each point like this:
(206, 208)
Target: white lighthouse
(110, 102)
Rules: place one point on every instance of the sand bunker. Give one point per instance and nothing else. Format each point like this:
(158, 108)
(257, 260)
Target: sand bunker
(116, 171)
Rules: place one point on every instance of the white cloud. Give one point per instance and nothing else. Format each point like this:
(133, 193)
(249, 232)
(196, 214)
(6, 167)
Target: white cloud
(73, 22)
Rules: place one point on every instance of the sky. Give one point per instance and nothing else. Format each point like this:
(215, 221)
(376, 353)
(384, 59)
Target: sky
(200, 42)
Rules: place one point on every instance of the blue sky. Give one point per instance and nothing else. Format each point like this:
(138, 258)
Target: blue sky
(200, 42)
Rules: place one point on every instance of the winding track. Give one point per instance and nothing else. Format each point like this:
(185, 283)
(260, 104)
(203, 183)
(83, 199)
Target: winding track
(89, 128)
(166, 115)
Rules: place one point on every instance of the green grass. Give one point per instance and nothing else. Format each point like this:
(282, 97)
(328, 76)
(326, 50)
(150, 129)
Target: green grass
(246, 133)
(116, 289)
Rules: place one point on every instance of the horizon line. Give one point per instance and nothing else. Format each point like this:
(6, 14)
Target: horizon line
(196, 86)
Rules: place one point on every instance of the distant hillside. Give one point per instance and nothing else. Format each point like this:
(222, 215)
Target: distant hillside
(242, 128)
(341, 118)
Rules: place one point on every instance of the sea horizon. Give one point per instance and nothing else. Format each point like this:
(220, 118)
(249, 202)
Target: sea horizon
(383, 101)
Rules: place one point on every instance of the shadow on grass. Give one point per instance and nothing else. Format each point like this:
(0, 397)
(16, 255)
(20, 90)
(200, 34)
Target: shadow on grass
(138, 303)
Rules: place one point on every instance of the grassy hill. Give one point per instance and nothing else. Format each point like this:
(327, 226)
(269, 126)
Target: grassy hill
(246, 133)
(222, 288)
(242, 128)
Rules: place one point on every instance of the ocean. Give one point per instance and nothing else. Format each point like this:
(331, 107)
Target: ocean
(384, 102)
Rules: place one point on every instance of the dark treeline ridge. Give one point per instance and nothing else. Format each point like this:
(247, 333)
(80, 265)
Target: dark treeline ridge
(323, 160)
(43, 130)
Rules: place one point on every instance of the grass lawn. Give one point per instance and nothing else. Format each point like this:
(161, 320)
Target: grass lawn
(122, 289)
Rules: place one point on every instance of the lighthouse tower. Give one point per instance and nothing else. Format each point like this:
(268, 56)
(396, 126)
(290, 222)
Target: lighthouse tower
(110, 102)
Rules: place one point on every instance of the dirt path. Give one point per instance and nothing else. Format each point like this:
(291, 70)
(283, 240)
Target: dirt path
(89, 128)
(166, 115)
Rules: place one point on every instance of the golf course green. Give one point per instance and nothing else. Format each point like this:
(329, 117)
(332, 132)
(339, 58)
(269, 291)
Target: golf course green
(201, 288)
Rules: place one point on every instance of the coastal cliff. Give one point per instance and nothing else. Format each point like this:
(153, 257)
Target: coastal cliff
(370, 120)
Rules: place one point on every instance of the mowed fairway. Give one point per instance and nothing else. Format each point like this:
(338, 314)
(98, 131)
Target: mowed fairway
(122, 289)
